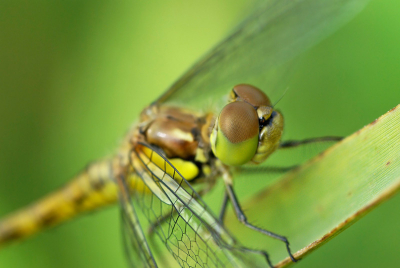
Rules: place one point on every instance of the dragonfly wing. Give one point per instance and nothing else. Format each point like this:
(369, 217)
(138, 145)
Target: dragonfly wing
(182, 220)
(137, 249)
(256, 52)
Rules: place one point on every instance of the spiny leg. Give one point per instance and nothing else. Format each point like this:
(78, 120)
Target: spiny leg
(261, 252)
(295, 143)
(255, 251)
(242, 217)
(221, 217)
(223, 207)
(287, 145)
(265, 169)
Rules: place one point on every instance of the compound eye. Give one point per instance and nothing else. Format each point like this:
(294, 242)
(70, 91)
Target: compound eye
(234, 138)
(251, 95)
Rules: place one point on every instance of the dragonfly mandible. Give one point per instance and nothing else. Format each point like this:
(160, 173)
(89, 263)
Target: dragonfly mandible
(151, 174)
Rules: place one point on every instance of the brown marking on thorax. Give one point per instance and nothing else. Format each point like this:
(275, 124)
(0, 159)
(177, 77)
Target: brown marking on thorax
(178, 132)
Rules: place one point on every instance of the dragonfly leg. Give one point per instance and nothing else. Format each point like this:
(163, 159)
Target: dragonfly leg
(266, 169)
(223, 207)
(295, 143)
(255, 251)
(261, 252)
(242, 217)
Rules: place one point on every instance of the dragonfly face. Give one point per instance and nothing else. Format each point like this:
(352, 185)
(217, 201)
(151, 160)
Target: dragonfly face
(247, 129)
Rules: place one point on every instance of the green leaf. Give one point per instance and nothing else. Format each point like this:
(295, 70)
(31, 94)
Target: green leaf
(312, 204)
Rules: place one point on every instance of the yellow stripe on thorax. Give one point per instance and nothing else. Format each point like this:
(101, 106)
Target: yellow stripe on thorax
(186, 168)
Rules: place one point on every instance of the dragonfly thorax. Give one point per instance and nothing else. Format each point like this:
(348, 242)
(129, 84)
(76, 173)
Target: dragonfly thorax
(179, 132)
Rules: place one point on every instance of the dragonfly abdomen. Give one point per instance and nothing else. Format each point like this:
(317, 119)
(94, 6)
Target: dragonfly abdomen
(90, 190)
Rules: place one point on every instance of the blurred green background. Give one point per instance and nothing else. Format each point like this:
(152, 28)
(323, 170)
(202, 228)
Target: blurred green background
(74, 76)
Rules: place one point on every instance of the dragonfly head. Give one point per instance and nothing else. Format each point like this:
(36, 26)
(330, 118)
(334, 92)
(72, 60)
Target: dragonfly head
(247, 129)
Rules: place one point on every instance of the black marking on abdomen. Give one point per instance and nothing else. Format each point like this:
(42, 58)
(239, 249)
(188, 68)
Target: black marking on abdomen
(49, 219)
(10, 235)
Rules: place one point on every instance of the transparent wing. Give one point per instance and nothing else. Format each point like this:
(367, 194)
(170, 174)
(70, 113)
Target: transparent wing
(137, 249)
(180, 218)
(258, 51)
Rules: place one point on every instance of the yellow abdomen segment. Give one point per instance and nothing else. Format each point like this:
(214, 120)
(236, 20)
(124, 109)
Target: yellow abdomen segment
(89, 190)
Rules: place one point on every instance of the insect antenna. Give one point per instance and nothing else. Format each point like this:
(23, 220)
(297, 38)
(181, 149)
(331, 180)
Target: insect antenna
(281, 97)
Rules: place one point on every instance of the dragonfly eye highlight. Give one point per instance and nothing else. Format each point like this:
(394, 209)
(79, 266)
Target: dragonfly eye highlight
(234, 138)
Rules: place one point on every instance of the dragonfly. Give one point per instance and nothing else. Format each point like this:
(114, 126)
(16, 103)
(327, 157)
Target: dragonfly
(209, 122)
